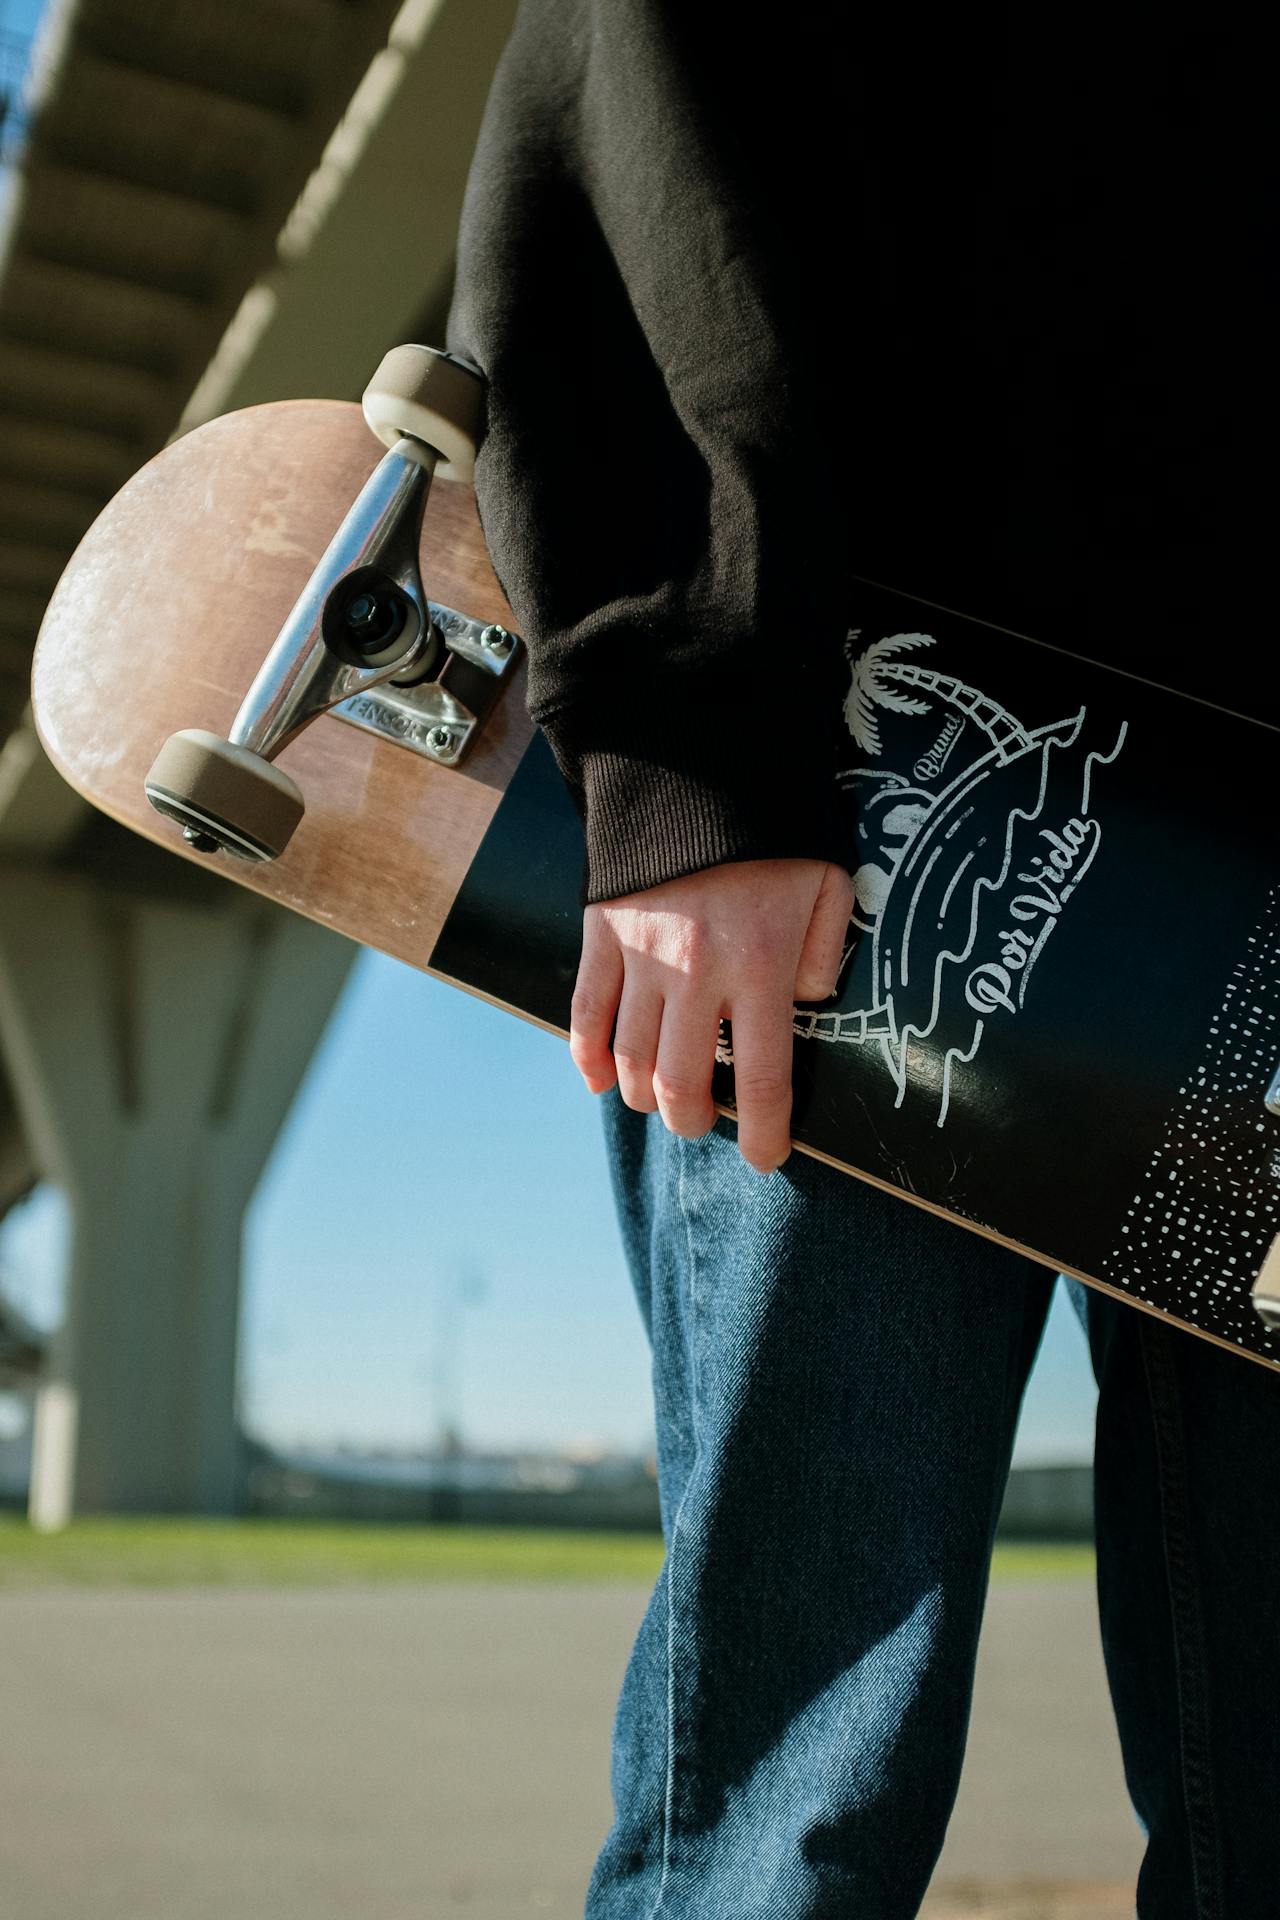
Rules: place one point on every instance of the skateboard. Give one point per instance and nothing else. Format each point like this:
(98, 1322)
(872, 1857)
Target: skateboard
(282, 650)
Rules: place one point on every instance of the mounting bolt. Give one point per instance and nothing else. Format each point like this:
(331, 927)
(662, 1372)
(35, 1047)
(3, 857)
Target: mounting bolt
(440, 740)
(202, 842)
(496, 639)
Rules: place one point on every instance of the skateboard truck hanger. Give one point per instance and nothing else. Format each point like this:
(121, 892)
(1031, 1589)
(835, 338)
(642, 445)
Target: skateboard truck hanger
(362, 640)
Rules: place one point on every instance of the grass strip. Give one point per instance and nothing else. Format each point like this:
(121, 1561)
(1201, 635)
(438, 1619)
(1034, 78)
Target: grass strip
(179, 1552)
(141, 1551)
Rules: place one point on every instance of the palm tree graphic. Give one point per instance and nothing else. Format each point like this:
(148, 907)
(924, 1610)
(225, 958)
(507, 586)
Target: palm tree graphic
(877, 674)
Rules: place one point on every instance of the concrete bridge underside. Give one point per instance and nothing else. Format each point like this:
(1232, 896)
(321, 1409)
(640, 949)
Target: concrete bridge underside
(216, 206)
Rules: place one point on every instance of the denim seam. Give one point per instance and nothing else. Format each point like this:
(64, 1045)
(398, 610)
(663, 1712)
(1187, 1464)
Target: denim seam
(669, 1793)
(1190, 1664)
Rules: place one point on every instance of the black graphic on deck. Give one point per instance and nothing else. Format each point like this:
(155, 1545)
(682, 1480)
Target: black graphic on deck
(1080, 869)
(963, 879)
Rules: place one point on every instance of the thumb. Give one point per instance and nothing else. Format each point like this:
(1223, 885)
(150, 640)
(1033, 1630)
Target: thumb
(824, 942)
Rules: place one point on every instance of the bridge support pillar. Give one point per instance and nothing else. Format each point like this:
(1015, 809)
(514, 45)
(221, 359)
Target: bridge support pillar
(154, 1045)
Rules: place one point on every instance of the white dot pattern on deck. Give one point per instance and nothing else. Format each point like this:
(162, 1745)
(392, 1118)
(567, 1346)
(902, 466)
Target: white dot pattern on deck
(1199, 1229)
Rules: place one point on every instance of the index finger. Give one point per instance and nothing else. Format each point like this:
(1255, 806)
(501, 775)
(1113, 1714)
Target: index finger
(762, 1050)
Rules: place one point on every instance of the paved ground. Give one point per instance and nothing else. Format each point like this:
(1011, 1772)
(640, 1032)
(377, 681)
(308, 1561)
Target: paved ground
(1032, 1900)
(415, 1753)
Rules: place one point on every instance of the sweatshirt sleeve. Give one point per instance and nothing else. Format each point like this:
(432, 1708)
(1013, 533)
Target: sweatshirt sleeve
(650, 481)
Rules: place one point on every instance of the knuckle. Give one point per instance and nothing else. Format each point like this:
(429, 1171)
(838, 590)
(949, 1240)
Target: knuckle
(690, 947)
(633, 1060)
(586, 1009)
(676, 1089)
(690, 1117)
(762, 1086)
(766, 980)
(768, 947)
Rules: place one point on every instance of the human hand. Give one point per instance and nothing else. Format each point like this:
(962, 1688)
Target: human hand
(745, 939)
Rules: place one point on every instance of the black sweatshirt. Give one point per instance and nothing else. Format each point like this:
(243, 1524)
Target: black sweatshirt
(963, 301)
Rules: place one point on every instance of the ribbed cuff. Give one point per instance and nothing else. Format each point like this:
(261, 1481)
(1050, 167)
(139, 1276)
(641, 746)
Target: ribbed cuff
(696, 792)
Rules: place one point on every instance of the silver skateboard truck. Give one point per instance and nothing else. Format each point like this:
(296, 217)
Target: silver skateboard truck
(362, 640)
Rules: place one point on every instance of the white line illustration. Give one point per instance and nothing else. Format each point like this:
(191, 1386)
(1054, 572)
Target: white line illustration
(959, 884)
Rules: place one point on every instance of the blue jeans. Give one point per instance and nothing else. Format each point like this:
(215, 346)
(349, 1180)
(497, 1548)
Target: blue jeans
(837, 1378)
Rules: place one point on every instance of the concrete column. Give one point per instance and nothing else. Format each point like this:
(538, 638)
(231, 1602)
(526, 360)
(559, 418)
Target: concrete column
(154, 1046)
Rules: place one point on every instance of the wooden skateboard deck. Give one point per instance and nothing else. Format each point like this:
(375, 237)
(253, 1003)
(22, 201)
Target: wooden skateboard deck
(1058, 1018)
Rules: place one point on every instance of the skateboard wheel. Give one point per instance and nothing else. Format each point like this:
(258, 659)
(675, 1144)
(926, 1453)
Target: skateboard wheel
(224, 795)
(430, 396)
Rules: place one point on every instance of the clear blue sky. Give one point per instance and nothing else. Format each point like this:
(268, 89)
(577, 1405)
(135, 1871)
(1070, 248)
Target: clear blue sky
(18, 22)
(439, 1147)
(20, 16)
